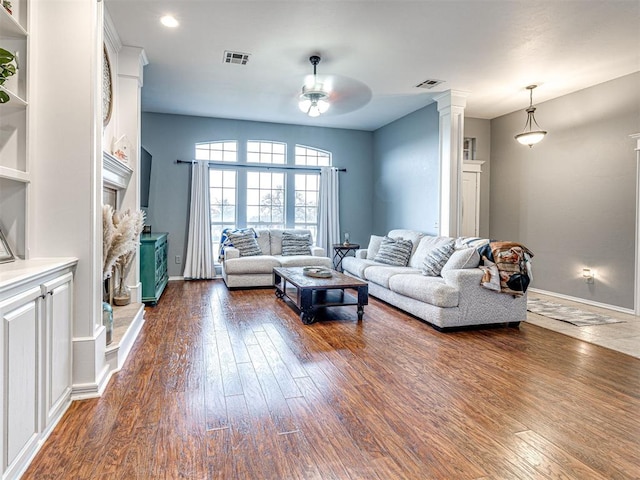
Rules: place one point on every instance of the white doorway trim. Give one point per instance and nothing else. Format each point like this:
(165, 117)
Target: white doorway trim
(636, 296)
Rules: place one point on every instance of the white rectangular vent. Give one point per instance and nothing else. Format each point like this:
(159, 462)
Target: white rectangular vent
(238, 58)
(429, 84)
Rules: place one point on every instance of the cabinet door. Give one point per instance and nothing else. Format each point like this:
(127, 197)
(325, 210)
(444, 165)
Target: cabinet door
(58, 295)
(21, 333)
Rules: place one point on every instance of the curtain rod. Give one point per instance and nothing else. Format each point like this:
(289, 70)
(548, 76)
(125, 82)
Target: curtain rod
(258, 165)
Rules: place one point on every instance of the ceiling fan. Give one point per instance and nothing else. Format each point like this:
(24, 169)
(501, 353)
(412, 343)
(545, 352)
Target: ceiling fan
(333, 94)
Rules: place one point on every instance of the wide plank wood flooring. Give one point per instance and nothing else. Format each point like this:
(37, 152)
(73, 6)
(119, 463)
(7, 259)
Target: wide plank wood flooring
(231, 385)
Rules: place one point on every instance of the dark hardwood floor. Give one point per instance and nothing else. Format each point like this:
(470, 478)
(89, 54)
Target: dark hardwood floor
(232, 385)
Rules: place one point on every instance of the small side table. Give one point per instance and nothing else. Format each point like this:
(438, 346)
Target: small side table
(340, 250)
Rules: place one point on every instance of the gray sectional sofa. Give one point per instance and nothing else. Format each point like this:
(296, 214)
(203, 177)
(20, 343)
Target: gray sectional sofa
(452, 300)
(257, 270)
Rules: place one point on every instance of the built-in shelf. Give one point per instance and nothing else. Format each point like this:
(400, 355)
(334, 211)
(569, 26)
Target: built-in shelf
(9, 26)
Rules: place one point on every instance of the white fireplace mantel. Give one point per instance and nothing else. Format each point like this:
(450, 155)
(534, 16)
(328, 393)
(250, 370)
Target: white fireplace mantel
(115, 174)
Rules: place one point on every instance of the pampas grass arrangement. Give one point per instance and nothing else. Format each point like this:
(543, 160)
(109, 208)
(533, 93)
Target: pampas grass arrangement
(120, 240)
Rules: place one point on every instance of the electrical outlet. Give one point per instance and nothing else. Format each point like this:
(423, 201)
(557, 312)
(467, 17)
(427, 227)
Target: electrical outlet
(178, 259)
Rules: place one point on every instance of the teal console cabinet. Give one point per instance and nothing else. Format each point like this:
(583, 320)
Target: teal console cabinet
(153, 266)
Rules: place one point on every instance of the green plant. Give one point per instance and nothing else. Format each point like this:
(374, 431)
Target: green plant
(8, 68)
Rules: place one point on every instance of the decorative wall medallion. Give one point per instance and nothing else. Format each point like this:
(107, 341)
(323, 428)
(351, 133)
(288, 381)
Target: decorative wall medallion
(107, 88)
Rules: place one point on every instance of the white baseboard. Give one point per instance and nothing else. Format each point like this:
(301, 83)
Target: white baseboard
(615, 308)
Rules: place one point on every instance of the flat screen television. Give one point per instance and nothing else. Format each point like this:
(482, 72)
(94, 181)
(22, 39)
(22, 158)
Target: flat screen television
(145, 177)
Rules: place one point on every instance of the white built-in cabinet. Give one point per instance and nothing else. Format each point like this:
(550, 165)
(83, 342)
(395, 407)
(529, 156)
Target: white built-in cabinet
(471, 171)
(36, 294)
(36, 312)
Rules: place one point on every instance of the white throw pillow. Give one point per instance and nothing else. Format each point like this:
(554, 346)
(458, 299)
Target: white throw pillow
(463, 258)
(374, 246)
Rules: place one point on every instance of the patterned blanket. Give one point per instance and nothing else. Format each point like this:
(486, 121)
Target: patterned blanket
(507, 267)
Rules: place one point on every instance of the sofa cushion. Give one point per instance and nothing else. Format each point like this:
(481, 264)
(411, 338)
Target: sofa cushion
(251, 265)
(436, 259)
(246, 243)
(463, 258)
(374, 246)
(427, 244)
(356, 266)
(304, 261)
(381, 274)
(394, 251)
(431, 290)
(412, 235)
(296, 244)
(275, 236)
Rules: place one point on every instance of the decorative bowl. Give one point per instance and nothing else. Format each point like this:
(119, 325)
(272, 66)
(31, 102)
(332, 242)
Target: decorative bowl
(318, 272)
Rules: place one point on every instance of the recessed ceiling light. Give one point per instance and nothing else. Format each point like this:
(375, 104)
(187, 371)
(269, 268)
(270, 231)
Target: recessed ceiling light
(169, 21)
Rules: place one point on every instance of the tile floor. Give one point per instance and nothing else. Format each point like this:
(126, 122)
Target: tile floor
(623, 337)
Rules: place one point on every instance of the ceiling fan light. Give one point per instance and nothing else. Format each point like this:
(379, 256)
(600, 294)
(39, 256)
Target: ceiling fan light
(314, 99)
(323, 105)
(314, 110)
(304, 104)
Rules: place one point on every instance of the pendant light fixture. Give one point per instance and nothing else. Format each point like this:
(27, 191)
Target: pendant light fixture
(314, 100)
(530, 136)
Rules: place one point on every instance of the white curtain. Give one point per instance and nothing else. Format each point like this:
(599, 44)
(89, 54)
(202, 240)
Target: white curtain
(329, 209)
(199, 261)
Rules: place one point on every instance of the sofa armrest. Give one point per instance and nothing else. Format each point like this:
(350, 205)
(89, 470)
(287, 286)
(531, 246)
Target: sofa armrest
(481, 304)
(361, 253)
(318, 251)
(231, 252)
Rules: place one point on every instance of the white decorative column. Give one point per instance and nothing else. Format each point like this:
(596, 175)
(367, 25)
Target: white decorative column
(451, 106)
(636, 298)
(131, 62)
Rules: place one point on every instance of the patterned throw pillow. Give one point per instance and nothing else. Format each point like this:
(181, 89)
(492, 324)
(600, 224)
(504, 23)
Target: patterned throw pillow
(225, 240)
(436, 259)
(295, 244)
(394, 251)
(246, 243)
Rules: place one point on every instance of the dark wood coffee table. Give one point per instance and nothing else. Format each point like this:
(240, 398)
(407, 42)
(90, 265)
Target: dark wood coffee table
(309, 294)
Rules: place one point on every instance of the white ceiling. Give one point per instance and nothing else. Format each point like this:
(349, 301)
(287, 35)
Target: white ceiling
(374, 53)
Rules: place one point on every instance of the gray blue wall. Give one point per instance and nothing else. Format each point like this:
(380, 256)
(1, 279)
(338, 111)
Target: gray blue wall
(407, 173)
(572, 198)
(171, 137)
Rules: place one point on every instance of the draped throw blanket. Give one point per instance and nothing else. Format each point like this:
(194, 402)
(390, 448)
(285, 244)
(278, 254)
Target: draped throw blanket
(199, 259)
(507, 267)
(329, 209)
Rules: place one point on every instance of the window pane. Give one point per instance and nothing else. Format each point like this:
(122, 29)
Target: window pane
(312, 157)
(215, 178)
(253, 214)
(265, 180)
(217, 151)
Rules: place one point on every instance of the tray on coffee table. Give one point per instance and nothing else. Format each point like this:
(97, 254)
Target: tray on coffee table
(309, 294)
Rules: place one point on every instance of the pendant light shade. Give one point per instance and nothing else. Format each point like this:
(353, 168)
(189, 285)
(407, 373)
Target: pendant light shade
(530, 136)
(314, 100)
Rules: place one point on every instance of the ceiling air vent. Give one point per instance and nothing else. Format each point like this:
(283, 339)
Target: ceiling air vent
(429, 84)
(238, 58)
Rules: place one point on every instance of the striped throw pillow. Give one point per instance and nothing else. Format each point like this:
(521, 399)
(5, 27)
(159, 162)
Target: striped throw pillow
(394, 251)
(246, 243)
(295, 244)
(436, 259)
